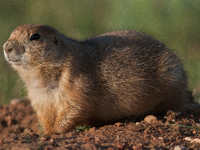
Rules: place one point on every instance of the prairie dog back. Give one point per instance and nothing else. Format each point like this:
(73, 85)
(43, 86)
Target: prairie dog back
(97, 81)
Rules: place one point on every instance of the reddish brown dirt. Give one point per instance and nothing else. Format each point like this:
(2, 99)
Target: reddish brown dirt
(19, 129)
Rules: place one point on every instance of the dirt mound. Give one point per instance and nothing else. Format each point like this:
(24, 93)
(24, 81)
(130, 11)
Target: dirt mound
(17, 117)
(19, 129)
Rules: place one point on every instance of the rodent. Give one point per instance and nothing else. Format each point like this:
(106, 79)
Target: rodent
(97, 81)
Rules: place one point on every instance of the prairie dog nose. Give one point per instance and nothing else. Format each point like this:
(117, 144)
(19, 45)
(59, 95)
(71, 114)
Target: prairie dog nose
(8, 47)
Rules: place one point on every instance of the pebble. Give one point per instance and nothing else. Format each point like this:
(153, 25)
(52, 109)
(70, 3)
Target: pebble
(196, 140)
(51, 140)
(137, 123)
(179, 148)
(118, 124)
(31, 132)
(120, 146)
(187, 138)
(198, 124)
(15, 101)
(20, 148)
(138, 146)
(111, 148)
(86, 138)
(92, 129)
(88, 146)
(48, 148)
(150, 118)
(66, 142)
(43, 138)
(26, 131)
(1, 141)
(192, 140)
(97, 139)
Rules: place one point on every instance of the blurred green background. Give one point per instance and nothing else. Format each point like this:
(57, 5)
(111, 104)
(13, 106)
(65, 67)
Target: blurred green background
(173, 22)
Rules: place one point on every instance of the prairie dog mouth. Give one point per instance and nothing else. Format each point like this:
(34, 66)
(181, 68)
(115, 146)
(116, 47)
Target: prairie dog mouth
(15, 62)
(10, 60)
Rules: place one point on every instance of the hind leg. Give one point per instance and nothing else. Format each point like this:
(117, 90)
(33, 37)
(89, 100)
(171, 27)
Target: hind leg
(178, 100)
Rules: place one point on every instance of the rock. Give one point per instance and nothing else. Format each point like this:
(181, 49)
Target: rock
(51, 140)
(92, 129)
(31, 133)
(120, 146)
(187, 138)
(118, 124)
(1, 141)
(150, 118)
(15, 101)
(138, 146)
(88, 146)
(179, 148)
(110, 148)
(160, 138)
(48, 148)
(20, 148)
(86, 138)
(43, 138)
(196, 140)
(97, 139)
(26, 131)
(198, 124)
(137, 123)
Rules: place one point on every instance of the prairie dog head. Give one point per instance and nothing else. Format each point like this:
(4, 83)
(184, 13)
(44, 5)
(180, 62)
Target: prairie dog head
(33, 45)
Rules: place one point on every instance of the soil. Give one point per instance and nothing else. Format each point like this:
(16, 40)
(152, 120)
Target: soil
(20, 130)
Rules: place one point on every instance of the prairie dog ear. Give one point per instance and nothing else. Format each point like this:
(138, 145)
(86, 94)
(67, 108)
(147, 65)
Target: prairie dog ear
(56, 40)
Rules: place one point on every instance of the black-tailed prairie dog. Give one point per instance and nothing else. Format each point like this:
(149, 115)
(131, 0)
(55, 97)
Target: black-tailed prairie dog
(97, 81)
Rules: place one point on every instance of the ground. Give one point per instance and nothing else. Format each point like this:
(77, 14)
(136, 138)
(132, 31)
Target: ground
(20, 130)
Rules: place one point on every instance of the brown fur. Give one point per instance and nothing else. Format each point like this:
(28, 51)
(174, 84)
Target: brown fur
(98, 81)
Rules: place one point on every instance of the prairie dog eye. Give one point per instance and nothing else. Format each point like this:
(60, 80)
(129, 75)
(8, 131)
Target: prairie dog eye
(35, 37)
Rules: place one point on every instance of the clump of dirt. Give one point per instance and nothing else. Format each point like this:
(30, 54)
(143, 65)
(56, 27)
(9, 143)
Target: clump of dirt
(19, 130)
